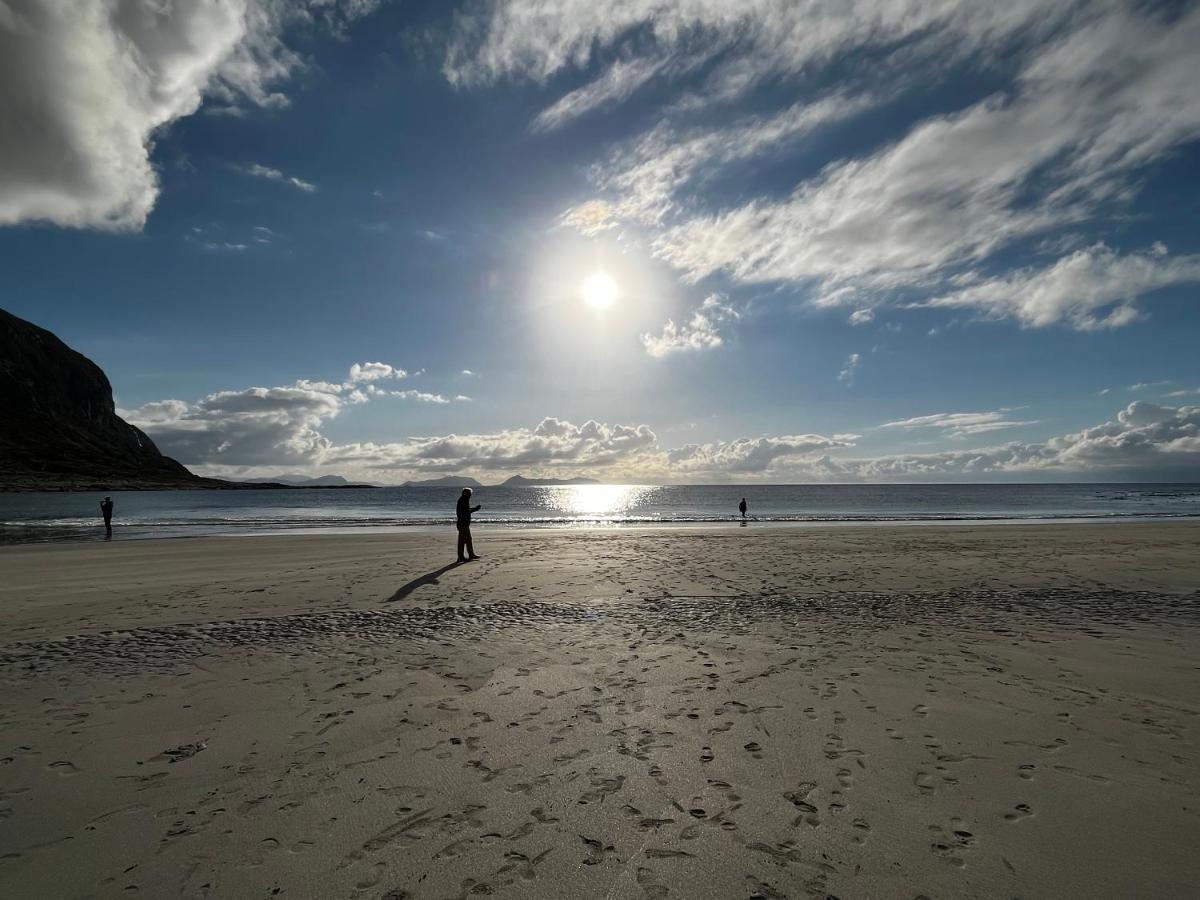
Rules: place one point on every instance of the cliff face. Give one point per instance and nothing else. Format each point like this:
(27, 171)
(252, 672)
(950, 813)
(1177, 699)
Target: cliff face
(59, 429)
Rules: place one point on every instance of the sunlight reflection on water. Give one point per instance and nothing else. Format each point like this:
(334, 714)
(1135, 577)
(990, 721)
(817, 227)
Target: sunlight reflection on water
(596, 502)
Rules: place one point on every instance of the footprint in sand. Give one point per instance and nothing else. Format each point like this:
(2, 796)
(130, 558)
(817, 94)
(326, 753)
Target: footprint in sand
(1019, 812)
(649, 885)
(862, 828)
(754, 749)
(706, 755)
(952, 847)
(597, 851)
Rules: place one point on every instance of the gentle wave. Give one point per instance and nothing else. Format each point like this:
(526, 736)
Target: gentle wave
(18, 531)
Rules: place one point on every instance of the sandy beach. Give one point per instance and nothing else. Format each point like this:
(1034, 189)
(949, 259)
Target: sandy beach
(899, 711)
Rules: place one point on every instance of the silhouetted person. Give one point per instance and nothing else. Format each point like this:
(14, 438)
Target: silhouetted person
(464, 511)
(106, 508)
(742, 507)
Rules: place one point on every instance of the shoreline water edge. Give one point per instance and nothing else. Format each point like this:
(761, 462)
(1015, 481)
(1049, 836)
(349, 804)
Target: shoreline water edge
(26, 518)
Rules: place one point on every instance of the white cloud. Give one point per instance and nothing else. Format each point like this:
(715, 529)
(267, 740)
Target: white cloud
(621, 80)
(862, 316)
(84, 87)
(154, 412)
(1100, 92)
(590, 218)
(1091, 289)
(275, 175)
(256, 426)
(754, 41)
(374, 371)
(701, 332)
(1145, 440)
(553, 443)
(419, 396)
(963, 424)
(260, 428)
(849, 368)
(750, 454)
(1147, 385)
(648, 176)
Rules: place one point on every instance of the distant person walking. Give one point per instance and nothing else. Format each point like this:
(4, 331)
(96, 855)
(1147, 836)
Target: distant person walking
(742, 508)
(106, 509)
(464, 511)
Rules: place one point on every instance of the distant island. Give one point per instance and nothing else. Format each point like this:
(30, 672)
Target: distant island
(522, 481)
(305, 481)
(445, 481)
(515, 481)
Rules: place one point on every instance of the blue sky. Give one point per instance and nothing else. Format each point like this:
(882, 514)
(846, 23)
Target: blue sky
(926, 241)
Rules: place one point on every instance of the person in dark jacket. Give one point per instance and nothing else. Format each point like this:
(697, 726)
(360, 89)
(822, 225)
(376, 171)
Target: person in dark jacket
(464, 511)
(106, 509)
(742, 507)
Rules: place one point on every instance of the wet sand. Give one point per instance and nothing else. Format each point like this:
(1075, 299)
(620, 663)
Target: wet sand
(969, 711)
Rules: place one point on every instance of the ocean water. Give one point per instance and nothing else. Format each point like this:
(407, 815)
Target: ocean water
(75, 516)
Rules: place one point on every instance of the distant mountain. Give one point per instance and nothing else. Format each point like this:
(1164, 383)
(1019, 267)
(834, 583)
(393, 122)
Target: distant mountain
(303, 481)
(522, 481)
(445, 481)
(59, 429)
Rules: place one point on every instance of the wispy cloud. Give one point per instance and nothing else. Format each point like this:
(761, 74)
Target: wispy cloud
(651, 178)
(702, 331)
(1091, 289)
(963, 424)
(1147, 385)
(861, 316)
(1100, 93)
(275, 175)
(617, 83)
(850, 368)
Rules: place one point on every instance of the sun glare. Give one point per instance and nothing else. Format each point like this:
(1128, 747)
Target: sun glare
(600, 291)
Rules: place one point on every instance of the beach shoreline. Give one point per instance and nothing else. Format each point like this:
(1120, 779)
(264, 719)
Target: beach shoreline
(953, 711)
(83, 535)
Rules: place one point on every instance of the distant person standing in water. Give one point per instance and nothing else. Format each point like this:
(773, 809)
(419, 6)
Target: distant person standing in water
(106, 508)
(464, 511)
(742, 508)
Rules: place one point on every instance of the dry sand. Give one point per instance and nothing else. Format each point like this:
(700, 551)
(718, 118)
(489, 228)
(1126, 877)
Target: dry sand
(1000, 711)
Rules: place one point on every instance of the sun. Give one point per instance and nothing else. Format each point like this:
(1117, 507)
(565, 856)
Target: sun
(600, 291)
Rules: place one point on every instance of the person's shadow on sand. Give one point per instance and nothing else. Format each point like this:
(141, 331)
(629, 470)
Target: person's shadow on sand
(427, 578)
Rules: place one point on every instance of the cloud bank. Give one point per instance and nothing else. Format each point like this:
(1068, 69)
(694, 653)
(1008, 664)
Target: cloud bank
(255, 430)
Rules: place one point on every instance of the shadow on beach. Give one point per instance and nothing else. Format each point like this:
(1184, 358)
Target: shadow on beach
(427, 578)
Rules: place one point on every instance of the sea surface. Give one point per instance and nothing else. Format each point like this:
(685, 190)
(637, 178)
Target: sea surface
(140, 514)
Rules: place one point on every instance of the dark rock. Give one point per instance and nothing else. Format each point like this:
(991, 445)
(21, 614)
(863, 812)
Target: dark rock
(59, 429)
